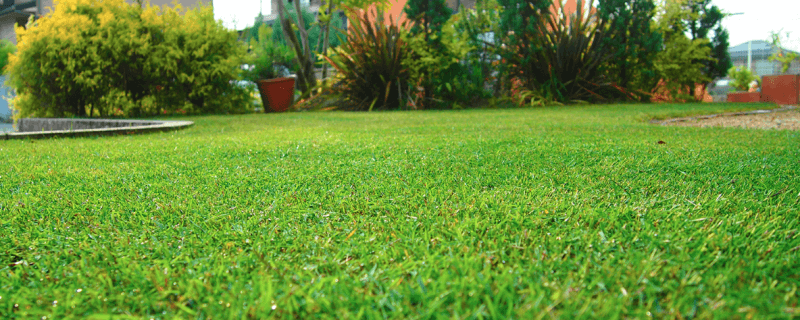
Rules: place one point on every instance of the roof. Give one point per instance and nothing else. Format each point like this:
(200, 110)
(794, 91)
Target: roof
(760, 49)
(23, 8)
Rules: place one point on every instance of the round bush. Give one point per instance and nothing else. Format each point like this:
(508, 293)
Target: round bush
(109, 58)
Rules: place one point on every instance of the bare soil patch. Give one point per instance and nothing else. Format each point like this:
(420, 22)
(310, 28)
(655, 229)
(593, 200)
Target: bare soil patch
(785, 118)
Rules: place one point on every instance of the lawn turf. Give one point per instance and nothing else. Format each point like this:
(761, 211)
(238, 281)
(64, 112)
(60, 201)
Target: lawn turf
(566, 212)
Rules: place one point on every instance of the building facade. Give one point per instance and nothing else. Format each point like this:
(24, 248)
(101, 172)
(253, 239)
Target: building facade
(17, 12)
(760, 51)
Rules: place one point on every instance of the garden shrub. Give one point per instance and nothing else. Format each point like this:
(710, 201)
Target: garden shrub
(370, 64)
(6, 48)
(558, 54)
(443, 65)
(109, 58)
(268, 59)
(680, 65)
(741, 78)
(634, 43)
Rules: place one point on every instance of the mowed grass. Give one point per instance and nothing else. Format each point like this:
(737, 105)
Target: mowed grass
(564, 212)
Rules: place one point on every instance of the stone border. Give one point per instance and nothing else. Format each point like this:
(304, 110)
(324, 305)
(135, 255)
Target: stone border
(40, 128)
(727, 114)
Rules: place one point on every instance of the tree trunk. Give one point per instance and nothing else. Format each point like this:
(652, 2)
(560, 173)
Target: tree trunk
(306, 78)
(325, 42)
(623, 70)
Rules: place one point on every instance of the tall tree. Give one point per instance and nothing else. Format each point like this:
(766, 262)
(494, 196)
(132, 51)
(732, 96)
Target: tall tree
(428, 17)
(705, 22)
(519, 22)
(719, 50)
(681, 64)
(633, 40)
(427, 20)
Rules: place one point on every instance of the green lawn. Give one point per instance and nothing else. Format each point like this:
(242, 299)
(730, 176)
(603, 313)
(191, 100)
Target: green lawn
(565, 212)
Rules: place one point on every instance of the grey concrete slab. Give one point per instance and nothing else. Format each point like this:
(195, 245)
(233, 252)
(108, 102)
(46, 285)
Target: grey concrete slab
(37, 128)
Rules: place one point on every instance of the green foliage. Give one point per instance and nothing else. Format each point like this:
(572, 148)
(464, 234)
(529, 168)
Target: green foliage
(633, 41)
(441, 65)
(783, 56)
(268, 59)
(741, 78)
(6, 48)
(561, 55)
(516, 37)
(427, 18)
(681, 65)
(719, 51)
(109, 58)
(479, 25)
(701, 19)
(448, 77)
(315, 32)
(548, 213)
(370, 64)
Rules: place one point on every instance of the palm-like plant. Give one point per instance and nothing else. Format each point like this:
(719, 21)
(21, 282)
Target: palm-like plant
(370, 64)
(562, 54)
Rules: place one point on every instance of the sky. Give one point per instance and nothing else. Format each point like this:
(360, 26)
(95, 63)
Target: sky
(757, 20)
(237, 14)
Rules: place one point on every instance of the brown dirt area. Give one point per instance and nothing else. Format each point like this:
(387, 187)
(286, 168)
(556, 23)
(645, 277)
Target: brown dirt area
(781, 120)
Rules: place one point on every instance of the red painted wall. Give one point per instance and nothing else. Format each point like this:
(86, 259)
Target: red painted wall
(782, 89)
(744, 97)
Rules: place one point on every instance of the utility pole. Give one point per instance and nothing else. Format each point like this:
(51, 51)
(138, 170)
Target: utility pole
(749, 45)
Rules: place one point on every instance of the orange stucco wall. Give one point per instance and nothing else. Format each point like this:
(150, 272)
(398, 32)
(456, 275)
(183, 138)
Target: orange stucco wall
(394, 12)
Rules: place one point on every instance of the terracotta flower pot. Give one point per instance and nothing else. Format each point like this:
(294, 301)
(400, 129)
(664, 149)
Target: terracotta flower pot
(276, 94)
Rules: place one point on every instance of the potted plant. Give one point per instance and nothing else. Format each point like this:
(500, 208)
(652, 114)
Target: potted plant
(270, 64)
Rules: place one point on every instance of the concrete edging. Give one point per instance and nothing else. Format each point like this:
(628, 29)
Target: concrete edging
(40, 128)
(727, 114)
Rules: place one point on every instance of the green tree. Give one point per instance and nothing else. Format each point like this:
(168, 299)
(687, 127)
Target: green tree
(719, 50)
(680, 65)
(428, 17)
(519, 23)
(633, 41)
(6, 48)
(430, 60)
(703, 20)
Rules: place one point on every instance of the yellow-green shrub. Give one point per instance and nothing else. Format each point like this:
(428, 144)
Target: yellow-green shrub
(110, 58)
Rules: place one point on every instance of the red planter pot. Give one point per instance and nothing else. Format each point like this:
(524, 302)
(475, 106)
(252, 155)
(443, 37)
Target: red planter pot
(277, 95)
(781, 89)
(744, 97)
